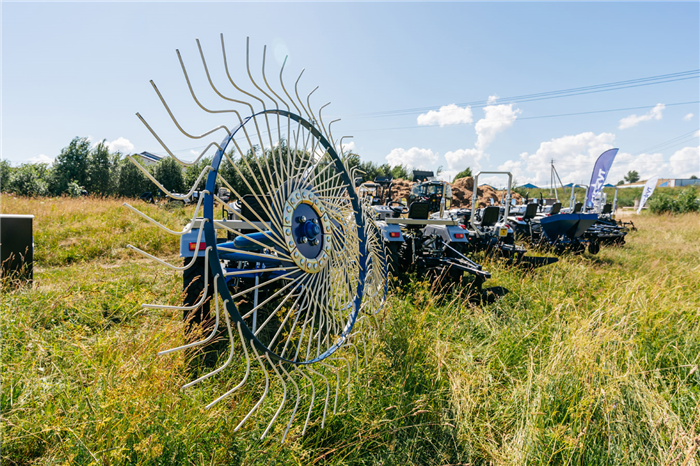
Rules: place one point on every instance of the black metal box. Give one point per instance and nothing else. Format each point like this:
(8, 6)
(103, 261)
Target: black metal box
(17, 246)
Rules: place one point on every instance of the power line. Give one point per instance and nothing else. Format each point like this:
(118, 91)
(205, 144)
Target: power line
(618, 85)
(558, 115)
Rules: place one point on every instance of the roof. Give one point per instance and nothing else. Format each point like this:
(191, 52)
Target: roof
(528, 186)
(151, 157)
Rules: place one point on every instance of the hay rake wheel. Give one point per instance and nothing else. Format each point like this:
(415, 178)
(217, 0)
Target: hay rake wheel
(301, 274)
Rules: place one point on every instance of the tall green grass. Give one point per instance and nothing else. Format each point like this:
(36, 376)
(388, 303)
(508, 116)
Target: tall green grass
(592, 360)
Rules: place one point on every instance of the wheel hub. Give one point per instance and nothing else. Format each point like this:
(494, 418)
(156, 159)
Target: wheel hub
(307, 230)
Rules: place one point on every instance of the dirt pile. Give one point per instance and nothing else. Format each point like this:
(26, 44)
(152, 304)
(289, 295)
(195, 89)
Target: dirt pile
(462, 190)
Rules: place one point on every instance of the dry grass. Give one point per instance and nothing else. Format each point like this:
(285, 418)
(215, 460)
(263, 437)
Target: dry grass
(592, 360)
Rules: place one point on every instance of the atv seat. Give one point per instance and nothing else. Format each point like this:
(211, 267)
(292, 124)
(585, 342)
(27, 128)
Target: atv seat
(556, 208)
(419, 210)
(530, 211)
(490, 215)
(577, 208)
(607, 208)
(253, 203)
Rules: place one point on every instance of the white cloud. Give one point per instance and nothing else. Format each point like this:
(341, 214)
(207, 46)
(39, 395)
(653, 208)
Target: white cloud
(655, 113)
(413, 158)
(348, 146)
(574, 157)
(492, 99)
(121, 145)
(685, 162)
(447, 175)
(41, 159)
(697, 134)
(498, 118)
(688, 117)
(447, 115)
(462, 158)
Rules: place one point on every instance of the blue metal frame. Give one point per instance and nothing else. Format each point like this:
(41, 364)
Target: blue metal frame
(210, 235)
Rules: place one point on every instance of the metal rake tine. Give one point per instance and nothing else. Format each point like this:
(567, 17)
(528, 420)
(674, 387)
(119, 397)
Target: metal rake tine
(337, 384)
(284, 397)
(308, 102)
(325, 405)
(330, 134)
(161, 261)
(230, 355)
(296, 91)
(320, 119)
(357, 362)
(347, 363)
(250, 75)
(296, 405)
(168, 193)
(313, 397)
(223, 51)
(247, 371)
(265, 78)
(163, 227)
(200, 302)
(191, 136)
(189, 85)
(267, 388)
(181, 162)
(284, 89)
(207, 339)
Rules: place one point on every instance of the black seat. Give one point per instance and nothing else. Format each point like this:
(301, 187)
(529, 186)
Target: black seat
(577, 208)
(419, 210)
(530, 211)
(490, 215)
(607, 208)
(252, 203)
(556, 208)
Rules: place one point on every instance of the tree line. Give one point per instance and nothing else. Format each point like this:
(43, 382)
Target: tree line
(81, 168)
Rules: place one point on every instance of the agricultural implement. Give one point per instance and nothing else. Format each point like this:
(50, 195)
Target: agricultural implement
(292, 265)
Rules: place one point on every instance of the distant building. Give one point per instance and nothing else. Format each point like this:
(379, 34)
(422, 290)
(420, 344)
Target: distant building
(528, 186)
(149, 158)
(665, 183)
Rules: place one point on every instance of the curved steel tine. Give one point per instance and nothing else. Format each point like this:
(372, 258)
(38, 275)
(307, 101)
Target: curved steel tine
(267, 388)
(163, 227)
(207, 339)
(284, 89)
(347, 363)
(168, 193)
(230, 355)
(191, 136)
(308, 102)
(189, 85)
(313, 397)
(211, 83)
(223, 51)
(247, 370)
(265, 79)
(291, 418)
(357, 362)
(342, 151)
(250, 75)
(330, 134)
(284, 397)
(204, 296)
(320, 119)
(181, 162)
(325, 405)
(296, 91)
(161, 261)
(337, 384)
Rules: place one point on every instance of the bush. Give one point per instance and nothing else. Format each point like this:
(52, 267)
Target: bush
(687, 201)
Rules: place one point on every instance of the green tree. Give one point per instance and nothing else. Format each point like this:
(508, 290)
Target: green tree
(169, 173)
(30, 180)
(70, 165)
(131, 182)
(463, 174)
(99, 167)
(193, 171)
(6, 170)
(632, 176)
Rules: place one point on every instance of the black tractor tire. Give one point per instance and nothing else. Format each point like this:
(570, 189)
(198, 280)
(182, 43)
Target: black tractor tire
(594, 247)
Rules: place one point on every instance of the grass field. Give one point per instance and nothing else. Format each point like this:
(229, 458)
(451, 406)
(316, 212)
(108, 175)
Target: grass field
(592, 360)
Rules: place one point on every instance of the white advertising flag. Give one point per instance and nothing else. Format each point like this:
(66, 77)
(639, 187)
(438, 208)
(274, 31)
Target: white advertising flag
(648, 190)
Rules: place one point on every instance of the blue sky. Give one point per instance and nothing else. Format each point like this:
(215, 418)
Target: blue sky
(83, 69)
